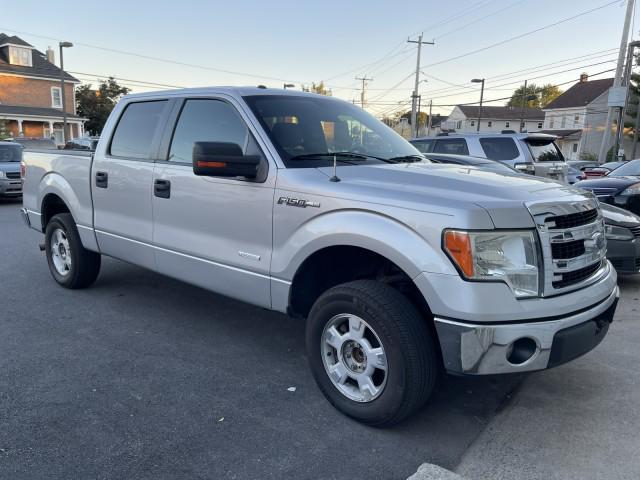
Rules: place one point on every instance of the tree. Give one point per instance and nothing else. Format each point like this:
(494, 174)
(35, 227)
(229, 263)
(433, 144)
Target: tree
(4, 130)
(544, 95)
(320, 89)
(96, 105)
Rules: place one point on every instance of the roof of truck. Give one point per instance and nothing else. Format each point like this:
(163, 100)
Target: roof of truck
(228, 90)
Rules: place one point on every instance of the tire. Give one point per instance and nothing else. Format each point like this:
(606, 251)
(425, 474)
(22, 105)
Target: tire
(70, 264)
(376, 313)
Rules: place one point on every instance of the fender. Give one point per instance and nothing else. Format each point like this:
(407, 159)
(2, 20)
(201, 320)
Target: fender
(359, 228)
(80, 208)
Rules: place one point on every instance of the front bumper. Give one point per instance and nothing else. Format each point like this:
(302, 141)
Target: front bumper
(484, 349)
(10, 187)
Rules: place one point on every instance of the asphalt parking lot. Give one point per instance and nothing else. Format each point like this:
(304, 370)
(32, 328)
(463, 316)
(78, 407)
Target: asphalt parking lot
(142, 376)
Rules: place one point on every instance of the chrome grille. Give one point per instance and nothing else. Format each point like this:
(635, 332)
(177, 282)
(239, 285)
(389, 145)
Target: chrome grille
(573, 243)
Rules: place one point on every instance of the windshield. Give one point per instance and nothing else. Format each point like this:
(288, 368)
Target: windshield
(37, 143)
(628, 169)
(10, 153)
(544, 151)
(303, 128)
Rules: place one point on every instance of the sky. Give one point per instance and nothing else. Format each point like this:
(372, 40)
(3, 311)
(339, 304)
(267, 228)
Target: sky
(203, 43)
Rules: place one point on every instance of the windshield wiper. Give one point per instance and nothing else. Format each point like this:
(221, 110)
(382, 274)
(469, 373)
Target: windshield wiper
(349, 155)
(407, 159)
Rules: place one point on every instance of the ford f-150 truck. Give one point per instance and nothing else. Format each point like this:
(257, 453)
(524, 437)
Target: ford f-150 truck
(309, 206)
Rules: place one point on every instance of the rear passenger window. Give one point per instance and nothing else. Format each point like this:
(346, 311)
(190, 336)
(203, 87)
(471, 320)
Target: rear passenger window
(455, 146)
(136, 128)
(204, 120)
(423, 145)
(499, 148)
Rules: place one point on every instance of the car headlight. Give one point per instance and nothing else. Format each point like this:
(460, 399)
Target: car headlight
(632, 190)
(617, 233)
(507, 256)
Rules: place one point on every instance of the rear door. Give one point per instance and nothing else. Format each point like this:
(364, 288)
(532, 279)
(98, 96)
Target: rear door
(454, 146)
(547, 158)
(211, 231)
(122, 182)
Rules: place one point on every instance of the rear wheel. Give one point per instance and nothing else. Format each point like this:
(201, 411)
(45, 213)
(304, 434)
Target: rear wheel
(370, 352)
(70, 264)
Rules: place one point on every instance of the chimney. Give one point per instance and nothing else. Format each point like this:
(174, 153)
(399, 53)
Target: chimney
(51, 55)
(584, 77)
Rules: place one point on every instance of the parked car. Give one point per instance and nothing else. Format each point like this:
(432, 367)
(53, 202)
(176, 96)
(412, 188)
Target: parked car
(308, 205)
(602, 170)
(10, 158)
(534, 153)
(36, 143)
(620, 188)
(623, 238)
(83, 143)
(574, 175)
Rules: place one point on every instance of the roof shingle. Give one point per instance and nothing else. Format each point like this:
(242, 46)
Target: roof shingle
(502, 113)
(581, 94)
(41, 66)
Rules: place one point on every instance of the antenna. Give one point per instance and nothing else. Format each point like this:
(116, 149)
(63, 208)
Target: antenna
(335, 177)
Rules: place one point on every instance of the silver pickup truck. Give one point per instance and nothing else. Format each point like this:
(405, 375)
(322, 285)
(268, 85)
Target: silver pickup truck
(309, 206)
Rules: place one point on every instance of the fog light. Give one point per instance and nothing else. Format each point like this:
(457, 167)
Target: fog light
(522, 350)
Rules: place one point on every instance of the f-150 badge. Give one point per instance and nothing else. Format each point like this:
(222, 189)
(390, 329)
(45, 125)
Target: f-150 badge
(297, 202)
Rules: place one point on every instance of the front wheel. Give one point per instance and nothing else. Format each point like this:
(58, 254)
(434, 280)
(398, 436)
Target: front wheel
(371, 352)
(71, 265)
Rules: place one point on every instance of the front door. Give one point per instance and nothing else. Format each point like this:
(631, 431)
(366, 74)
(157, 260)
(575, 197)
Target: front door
(210, 231)
(122, 182)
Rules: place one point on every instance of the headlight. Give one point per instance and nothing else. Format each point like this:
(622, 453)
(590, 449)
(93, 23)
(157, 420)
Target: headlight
(617, 233)
(632, 190)
(507, 256)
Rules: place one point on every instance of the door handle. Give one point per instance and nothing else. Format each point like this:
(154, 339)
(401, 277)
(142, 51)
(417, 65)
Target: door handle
(162, 188)
(102, 179)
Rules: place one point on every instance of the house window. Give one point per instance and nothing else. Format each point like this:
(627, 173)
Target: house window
(574, 148)
(576, 119)
(551, 122)
(473, 123)
(521, 124)
(459, 124)
(539, 124)
(563, 122)
(56, 97)
(20, 56)
(489, 123)
(506, 124)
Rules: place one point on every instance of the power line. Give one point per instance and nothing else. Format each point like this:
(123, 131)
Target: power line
(479, 19)
(522, 35)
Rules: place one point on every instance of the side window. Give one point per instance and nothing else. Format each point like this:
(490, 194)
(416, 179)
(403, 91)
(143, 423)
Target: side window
(205, 120)
(136, 128)
(423, 146)
(499, 148)
(457, 146)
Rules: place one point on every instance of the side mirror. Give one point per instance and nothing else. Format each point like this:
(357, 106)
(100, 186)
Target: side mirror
(221, 159)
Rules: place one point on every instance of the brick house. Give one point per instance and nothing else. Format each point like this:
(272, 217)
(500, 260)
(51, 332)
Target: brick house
(30, 92)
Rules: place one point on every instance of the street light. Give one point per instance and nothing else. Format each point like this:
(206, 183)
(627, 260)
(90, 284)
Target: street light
(64, 107)
(288, 85)
(481, 81)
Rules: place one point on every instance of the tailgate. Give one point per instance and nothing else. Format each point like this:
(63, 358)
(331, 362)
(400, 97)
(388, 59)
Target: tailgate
(547, 158)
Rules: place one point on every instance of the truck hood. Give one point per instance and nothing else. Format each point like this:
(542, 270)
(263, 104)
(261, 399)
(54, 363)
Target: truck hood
(503, 196)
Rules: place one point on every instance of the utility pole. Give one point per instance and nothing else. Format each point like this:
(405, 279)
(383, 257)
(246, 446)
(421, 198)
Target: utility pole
(429, 119)
(524, 102)
(617, 81)
(414, 96)
(363, 79)
(628, 70)
(481, 82)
